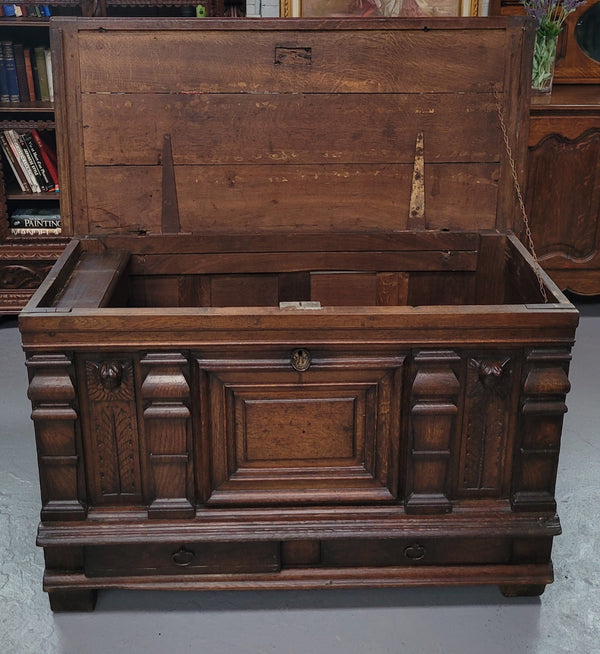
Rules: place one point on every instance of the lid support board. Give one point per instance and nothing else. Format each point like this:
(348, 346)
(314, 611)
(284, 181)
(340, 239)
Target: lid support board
(170, 210)
(416, 215)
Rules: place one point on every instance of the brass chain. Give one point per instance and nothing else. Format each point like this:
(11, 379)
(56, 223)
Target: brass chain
(513, 168)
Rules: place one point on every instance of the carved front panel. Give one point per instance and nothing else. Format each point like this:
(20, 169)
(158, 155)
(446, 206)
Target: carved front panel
(489, 399)
(113, 457)
(309, 429)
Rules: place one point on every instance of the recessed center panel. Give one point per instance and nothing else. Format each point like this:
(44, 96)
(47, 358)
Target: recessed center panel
(297, 429)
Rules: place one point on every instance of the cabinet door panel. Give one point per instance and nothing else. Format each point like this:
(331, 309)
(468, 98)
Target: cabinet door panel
(563, 199)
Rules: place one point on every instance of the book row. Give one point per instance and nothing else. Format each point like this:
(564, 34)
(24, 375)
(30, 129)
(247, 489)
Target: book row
(38, 11)
(32, 160)
(25, 73)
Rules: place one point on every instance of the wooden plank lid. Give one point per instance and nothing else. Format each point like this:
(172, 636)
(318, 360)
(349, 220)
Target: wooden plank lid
(289, 126)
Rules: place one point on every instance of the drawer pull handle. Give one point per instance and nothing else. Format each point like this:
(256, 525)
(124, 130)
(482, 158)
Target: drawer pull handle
(415, 552)
(300, 360)
(183, 557)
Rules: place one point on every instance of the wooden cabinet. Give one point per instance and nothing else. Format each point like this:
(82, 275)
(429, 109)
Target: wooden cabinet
(282, 360)
(563, 186)
(563, 182)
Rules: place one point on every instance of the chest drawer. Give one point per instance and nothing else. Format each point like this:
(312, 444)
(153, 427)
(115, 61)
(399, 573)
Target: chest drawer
(181, 558)
(425, 551)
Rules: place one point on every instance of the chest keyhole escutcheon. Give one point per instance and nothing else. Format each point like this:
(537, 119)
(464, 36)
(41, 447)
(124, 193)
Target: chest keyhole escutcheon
(300, 360)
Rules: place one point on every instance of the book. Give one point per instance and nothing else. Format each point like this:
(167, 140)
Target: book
(4, 97)
(29, 73)
(33, 158)
(48, 56)
(48, 156)
(40, 66)
(40, 170)
(9, 10)
(19, 52)
(11, 71)
(36, 79)
(13, 141)
(36, 210)
(14, 164)
(35, 217)
(35, 231)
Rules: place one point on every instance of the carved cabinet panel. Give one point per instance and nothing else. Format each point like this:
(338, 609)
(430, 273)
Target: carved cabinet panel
(563, 188)
(20, 275)
(564, 200)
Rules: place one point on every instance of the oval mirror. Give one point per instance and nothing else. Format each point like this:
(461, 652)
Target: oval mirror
(587, 32)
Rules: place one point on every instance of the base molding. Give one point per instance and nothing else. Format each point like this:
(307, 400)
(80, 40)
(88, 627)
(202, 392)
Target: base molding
(506, 576)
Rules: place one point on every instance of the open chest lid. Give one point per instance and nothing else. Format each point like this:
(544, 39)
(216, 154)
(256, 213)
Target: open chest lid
(289, 126)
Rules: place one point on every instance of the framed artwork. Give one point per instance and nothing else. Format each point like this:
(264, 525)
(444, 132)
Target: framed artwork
(366, 8)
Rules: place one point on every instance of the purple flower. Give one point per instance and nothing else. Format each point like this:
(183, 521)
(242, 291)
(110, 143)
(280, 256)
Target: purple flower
(551, 14)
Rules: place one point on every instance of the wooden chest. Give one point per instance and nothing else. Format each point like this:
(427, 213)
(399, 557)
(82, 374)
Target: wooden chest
(294, 343)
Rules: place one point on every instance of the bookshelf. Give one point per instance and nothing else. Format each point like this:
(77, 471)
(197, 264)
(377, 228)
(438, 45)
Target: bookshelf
(25, 260)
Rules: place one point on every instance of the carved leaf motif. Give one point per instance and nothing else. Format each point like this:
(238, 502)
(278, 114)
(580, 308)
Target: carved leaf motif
(114, 456)
(117, 458)
(487, 407)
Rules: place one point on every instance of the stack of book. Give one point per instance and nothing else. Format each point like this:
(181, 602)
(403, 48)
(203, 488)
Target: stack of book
(35, 221)
(32, 160)
(25, 73)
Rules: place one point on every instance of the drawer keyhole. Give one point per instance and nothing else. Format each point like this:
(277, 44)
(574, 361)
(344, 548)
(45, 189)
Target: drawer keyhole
(414, 552)
(183, 557)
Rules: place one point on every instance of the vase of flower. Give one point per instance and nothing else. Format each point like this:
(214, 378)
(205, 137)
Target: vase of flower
(544, 58)
(550, 16)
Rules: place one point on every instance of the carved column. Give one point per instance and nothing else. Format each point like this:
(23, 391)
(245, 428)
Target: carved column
(166, 395)
(545, 384)
(432, 425)
(55, 418)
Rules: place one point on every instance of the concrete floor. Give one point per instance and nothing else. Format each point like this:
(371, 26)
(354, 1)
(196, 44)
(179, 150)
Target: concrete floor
(566, 619)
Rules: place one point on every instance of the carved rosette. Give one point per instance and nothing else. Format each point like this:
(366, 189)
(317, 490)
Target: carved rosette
(434, 408)
(542, 408)
(166, 395)
(52, 394)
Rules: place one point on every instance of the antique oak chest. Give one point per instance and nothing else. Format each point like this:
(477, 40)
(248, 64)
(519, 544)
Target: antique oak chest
(294, 343)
